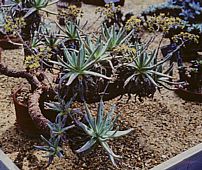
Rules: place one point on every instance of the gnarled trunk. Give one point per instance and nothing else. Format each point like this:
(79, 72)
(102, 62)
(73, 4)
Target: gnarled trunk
(20, 74)
(33, 102)
(35, 112)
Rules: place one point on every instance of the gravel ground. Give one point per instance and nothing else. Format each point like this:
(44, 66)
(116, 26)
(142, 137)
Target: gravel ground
(164, 126)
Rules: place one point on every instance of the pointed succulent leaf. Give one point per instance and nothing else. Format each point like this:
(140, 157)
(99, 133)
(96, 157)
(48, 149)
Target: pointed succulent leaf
(91, 120)
(152, 80)
(72, 77)
(29, 12)
(113, 161)
(115, 134)
(68, 127)
(64, 77)
(151, 57)
(86, 129)
(100, 114)
(126, 37)
(108, 119)
(96, 74)
(50, 160)
(56, 106)
(46, 141)
(109, 150)
(88, 145)
(161, 74)
(128, 80)
(42, 148)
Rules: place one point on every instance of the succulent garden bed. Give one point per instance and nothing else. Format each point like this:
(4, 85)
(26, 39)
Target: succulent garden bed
(162, 125)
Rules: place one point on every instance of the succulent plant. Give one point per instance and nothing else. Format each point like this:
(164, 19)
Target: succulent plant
(58, 128)
(190, 8)
(35, 42)
(115, 37)
(77, 65)
(51, 40)
(162, 6)
(71, 31)
(52, 147)
(97, 49)
(36, 5)
(196, 7)
(196, 27)
(187, 14)
(148, 74)
(101, 129)
(62, 107)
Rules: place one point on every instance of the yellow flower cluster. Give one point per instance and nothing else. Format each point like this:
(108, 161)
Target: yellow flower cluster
(14, 25)
(32, 62)
(43, 50)
(133, 23)
(71, 11)
(44, 53)
(123, 49)
(185, 36)
(163, 23)
(108, 11)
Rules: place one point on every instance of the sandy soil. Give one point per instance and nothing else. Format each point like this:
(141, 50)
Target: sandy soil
(164, 126)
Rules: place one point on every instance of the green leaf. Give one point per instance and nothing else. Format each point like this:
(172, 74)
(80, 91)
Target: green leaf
(46, 141)
(169, 70)
(66, 65)
(108, 118)
(152, 57)
(161, 74)
(87, 145)
(113, 161)
(81, 57)
(68, 127)
(100, 113)
(85, 128)
(53, 106)
(96, 74)
(43, 148)
(64, 77)
(128, 80)
(29, 12)
(90, 118)
(126, 37)
(115, 134)
(152, 80)
(72, 77)
(57, 63)
(108, 149)
(68, 56)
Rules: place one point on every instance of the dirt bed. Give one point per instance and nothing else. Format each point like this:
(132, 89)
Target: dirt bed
(164, 126)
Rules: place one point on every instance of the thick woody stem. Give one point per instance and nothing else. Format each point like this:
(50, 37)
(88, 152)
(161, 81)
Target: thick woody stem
(33, 102)
(35, 112)
(20, 74)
